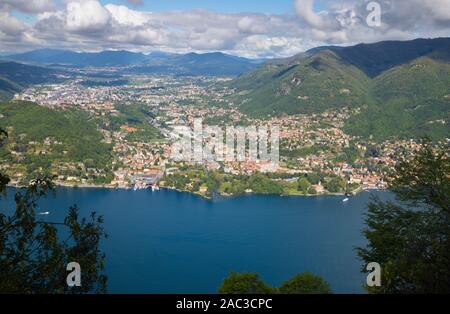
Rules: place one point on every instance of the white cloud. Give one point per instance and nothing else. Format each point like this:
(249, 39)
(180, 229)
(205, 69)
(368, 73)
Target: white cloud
(123, 15)
(27, 6)
(86, 16)
(322, 20)
(10, 25)
(90, 25)
(264, 46)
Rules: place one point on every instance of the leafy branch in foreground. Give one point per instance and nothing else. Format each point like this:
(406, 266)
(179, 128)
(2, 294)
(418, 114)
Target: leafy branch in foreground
(34, 253)
(410, 238)
(4, 180)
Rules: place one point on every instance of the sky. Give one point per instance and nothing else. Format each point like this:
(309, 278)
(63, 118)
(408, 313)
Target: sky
(248, 28)
(225, 6)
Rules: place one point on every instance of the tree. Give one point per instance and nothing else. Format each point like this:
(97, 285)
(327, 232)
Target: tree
(305, 283)
(303, 185)
(335, 185)
(313, 178)
(261, 184)
(213, 183)
(4, 180)
(34, 254)
(249, 283)
(410, 237)
(245, 283)
(373, 151)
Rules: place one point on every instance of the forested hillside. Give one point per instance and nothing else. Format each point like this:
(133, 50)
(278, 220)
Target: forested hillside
(40, 137)
(402, 88)
(16, 76)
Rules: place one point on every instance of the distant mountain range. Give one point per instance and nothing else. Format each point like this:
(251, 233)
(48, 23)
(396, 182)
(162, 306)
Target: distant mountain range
(48, 65)
(214, 64)
(402, 87)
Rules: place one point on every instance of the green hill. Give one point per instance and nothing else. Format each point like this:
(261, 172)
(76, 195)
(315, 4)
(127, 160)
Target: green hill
(403, 88)
(14, 77)
(409, 100)
(8, 88)
(308, 84)
(374, 59)
(80, 140)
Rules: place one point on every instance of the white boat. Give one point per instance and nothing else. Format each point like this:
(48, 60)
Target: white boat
(345, 200)
(155, 188)
(44, 213)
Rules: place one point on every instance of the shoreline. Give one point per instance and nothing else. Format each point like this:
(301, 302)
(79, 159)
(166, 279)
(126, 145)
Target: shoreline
(94, 186)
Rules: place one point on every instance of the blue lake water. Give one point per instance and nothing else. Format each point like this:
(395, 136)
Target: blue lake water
(171, 242)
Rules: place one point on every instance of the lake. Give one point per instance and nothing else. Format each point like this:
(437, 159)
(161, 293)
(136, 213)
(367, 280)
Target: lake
(173, 242)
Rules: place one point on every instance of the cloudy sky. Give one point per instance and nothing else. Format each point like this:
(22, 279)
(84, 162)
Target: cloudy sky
(250, 28)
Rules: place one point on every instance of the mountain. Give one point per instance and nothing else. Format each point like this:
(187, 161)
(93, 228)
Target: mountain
(153, 63)
(410, 100)
(374, 59)
(66, 57)
(15, 76)
(192, 64)
(309, 84)
(8, 88)
(74, 129)
(403, 88)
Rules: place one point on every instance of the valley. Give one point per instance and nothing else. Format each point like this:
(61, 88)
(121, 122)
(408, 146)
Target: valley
(344, 120)
(126, 141)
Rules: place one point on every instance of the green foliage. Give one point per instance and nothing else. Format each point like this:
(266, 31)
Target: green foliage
(377, 58)
(14, 77)
(192, 178)
(179, 181)
(79, 136)
(136, 116)
(234, 187)
(314, 178)
(217, 120)
(8, 89)
(373, 151)
(411, 100)
(349, 154)
(303, 151)
(304, 185)
(4, 180)
(33, 258)
(335, 185)
(410, 238)
(250, 283)
(305, 283)
(261, 184)
(305, 85)
(244, 283)
(213, 182)
(402, 88)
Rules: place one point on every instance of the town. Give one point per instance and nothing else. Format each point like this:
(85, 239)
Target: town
(316, 154)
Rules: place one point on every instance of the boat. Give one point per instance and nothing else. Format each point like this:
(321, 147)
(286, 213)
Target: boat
(44, 213)
(345, 200)
(155, 188)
